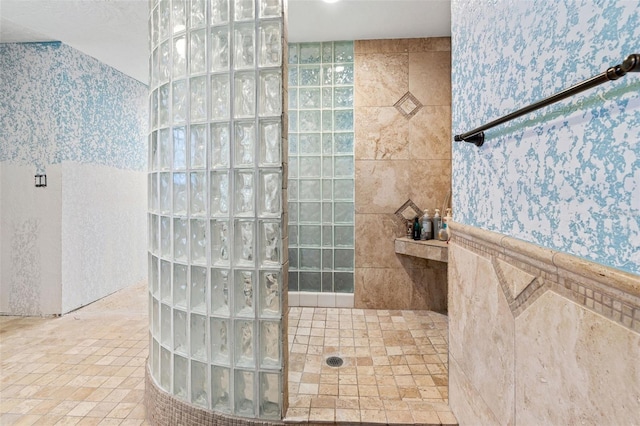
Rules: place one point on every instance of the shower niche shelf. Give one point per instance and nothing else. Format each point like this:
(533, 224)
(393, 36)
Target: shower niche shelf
(429, 249)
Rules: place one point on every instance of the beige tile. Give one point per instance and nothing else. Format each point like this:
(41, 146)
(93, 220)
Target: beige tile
(381, 79)
(430, 133)
(322, 414)
(430, 77)
(425, 417)
(381, 186)
(373, 416)
(382, 133)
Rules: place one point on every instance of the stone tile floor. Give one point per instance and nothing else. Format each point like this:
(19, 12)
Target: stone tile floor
(87, 367)
(394, 371)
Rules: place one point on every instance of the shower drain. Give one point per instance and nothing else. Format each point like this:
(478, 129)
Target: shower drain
(334, 361)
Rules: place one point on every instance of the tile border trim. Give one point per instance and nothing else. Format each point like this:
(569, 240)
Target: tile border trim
(607, 291)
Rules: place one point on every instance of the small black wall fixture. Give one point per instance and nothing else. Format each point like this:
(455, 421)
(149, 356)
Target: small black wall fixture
(41, 181)
(631, 64)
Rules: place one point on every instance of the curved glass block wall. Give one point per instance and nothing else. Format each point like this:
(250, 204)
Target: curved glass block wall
(321, 167)
(216, 263)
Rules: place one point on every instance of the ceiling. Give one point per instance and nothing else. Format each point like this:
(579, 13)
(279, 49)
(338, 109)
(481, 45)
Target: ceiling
(115, 31)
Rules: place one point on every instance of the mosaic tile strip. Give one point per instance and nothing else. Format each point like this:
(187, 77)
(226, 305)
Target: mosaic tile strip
(618, 306)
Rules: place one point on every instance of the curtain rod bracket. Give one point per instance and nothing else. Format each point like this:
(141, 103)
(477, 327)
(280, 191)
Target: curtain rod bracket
(476, 139)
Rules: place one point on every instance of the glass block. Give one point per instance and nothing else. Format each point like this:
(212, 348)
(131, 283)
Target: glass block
(165, 325)
(309, 143)
(310, 53)
(327, 212)
(293, 212)
(179, 61)
(292, 190)
(198, 330)
(343, 166)
(155, 359)
(270, 194)
(327, 75)
(244, 242)
(244, 10)
(199, 384)
(198, 100)
(219, 49)
(270, 244)
(343, 51)
(164, 65)
(293, 235)
(153, 109)
(310, 121)
(310, 235)
(180, 371)
(310, 166)
(270, 142)
(198, 151)
(327, 143)
(270, 44)
(343, 120)
(244, 343)
(309, 98)
(156, 318)
(327, 188)
(343, 189)
(180, 193)
(327, 98)
(219, 243)
(220, 340)
(327, 282)
(220, 389)
(293, 121)
(293, 258)
(219, 11)
(327, 121)
(220, 292)
(180, 286)
(164, 8)
(244, 394)
(165, 368)
(153, 192)
(310, 213)
(292, 167)
(245, 95)
(153, 68)
(293, 76)
(293, 281)
(163, 105)
(180, 239)
(310, 281)
(309, 75)
(327, 259)
(179, 148)
(270, 94)
(179, 102)
(310, 258)
(244, 53)
(343, 282)
(245, 136)
(180, 336)
(220, 94)
(166, 153)
(270, 396)
(154, 151)
(293, 54)
(327, 172)
(244, 193)
(244, 293)
(270, 8)
(198, 193)
(343, 237)
(309, 190)
(269, 293)
(344, 212)
(327, 236)
(343, 143)
(220, 145)
(220, 194)
(327, 52)
(343, 75)
(270, 344)
(198, 292)
(293, 145)
(178, 16)
(165, 281)
(293, 98)
(343, 97)
(198, 13)
(154, 278)
(165, 236)
(197, 52)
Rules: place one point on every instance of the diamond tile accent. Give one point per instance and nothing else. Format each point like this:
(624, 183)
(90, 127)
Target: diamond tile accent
(408, 105)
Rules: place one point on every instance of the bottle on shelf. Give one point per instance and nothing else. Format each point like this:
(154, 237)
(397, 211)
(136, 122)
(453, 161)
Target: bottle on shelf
(427, 232)
(443, 234)
(416, 228)
(437, 223)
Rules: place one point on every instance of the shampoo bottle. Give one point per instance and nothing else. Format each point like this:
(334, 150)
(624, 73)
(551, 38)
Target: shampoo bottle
(427, 232)
(416, 229)
(437, 223)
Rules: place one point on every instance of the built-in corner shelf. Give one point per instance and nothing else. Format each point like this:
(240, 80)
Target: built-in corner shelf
(429, 249)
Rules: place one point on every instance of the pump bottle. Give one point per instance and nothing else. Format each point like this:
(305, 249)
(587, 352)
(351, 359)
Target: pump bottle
(437, 223)
(427, 232)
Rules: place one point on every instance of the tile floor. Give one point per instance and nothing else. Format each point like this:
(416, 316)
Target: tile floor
(87, 367)
(394, 371)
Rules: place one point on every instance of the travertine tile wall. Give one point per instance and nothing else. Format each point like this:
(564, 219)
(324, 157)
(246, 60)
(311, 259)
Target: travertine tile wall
(398, 158)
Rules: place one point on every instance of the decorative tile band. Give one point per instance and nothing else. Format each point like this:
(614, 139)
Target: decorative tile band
(611, 293)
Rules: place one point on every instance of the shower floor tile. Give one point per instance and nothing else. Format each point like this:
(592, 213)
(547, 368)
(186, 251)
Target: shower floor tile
(394, 372)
